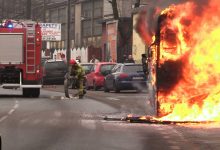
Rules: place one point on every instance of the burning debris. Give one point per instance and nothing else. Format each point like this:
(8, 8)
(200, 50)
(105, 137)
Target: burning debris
(153, 120)
(186, 59)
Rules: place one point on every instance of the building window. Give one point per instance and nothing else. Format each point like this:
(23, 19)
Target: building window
(62, 15)
(63, 31)
(86, 28)
(18, 9)
(62, 44)
(72, 23)
(53, 15)
(59, 45)
(87, 9)
(72, 31)
(53, 45)
(97, 27)
(72, 16)
(98, 8)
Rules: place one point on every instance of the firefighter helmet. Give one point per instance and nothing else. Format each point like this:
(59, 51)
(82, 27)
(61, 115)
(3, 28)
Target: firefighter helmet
(72, 62)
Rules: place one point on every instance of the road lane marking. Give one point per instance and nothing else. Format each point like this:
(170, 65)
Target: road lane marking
(16, 106)
(112, 98)
(3, 118)
(10, 112)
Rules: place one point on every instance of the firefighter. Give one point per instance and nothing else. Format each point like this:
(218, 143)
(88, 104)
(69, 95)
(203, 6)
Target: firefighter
(78, 73)
(144, 64)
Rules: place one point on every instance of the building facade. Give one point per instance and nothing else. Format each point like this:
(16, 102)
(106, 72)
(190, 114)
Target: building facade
(85, 29)
(86, 18)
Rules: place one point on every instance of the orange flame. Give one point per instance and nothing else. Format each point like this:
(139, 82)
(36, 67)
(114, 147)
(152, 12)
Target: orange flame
(190, 35)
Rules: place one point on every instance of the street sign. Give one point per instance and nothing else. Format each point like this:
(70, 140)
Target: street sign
(51, 31)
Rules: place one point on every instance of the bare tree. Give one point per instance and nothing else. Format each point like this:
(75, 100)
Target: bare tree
(124, 30)
(137, 3)
(114, 8)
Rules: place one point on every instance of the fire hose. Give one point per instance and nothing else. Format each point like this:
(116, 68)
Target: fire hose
(152, 120)
(67, 83)
(71, 82)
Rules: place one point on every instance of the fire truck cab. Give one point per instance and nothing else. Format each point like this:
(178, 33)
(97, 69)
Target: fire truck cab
(20, 59)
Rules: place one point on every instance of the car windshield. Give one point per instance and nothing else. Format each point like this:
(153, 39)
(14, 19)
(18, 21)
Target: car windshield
(59, 65)
(107, 67)
(43, 60)
(133, 68)
(87, 67)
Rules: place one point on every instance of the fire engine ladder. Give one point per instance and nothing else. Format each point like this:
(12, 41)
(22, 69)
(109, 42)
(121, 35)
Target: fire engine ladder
(30, 51)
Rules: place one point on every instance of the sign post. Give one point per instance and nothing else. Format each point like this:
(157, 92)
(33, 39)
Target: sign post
(51, 31)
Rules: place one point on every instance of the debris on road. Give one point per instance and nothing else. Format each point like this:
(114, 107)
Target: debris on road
(152, 120)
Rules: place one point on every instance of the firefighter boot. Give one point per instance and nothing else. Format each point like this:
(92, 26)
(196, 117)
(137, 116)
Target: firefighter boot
(84, 91)
(80, 96)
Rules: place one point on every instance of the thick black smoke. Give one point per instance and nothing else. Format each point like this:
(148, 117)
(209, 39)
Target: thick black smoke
(153, 10)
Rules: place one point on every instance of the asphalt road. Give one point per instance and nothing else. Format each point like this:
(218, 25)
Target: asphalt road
(55, 123)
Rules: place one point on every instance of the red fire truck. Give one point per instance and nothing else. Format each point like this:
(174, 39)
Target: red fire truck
(20, 56)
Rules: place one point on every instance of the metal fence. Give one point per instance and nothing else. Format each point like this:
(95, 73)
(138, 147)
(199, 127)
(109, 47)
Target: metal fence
(80, 53)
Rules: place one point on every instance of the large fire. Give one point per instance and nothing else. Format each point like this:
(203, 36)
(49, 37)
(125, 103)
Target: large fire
(189, 52)
(190, 39)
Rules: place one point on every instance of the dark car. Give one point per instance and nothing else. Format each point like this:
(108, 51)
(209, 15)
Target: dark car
(44, 59)
(95, 79)
(128, 76)
(54, 72)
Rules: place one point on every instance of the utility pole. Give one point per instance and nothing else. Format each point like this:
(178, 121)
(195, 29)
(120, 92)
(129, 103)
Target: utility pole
(68, 33)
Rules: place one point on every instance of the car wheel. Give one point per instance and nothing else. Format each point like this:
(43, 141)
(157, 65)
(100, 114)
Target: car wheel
(26, 92)
(105, 88)
(35, 92)
(116, 89)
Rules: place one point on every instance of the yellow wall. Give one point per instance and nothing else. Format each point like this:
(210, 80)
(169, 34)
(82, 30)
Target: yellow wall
(138, 46)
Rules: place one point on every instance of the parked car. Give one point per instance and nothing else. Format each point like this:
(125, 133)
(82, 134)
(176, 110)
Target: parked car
(95, 79)
(87, 67)
(54, 71)
(128, 76)
(44, 59)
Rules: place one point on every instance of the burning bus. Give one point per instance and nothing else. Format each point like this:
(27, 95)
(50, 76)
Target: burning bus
(184, 62)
